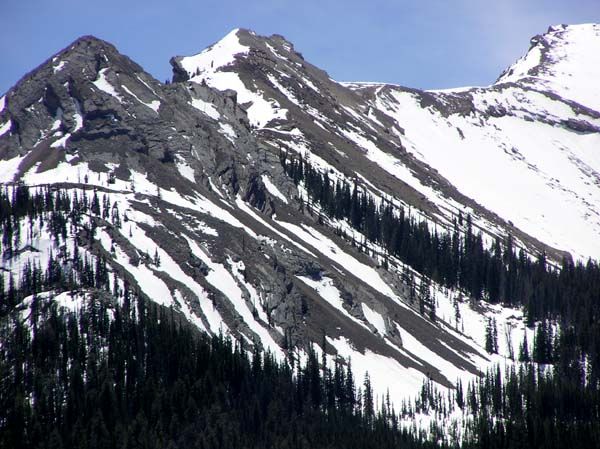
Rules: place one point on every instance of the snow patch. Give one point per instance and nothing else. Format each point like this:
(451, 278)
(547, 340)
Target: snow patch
(329, 292)
(186, 171)
(223, 280)
(149, 284)
(61, 142)
(78, 121)
(216, 56)
(522, 67)
(273, 190)
(260, 111)
(419, 350)
(571, 64)
(4, 128)
(148, 86)
(9, 167)
(59, 67)
(385, 373)
(154, 105)
(103, 84)
(227, 130)
(374, 318)
(285, 91)
(329, 249)
(206, 107)
(248, 210)
(69, 300)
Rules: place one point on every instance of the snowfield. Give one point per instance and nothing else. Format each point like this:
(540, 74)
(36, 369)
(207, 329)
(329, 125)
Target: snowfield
(519, 169)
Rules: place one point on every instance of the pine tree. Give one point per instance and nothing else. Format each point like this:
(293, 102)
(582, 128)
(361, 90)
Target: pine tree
(524, 350)
(491, 336)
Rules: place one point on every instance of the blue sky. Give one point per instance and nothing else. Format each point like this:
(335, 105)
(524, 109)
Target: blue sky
(423, 44)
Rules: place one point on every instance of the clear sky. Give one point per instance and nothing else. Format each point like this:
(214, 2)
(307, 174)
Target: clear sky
(423, 44)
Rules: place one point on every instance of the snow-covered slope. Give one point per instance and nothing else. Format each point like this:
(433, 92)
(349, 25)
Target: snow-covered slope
(565, 61)
(194, 169)
(527, 148)
(515, 153)
(519, 155)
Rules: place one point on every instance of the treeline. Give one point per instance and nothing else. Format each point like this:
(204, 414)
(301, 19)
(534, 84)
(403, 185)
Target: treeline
(68, 221)
(135, 375)
(522, 407)
(138, 376)
(457, 258)
(536, 405)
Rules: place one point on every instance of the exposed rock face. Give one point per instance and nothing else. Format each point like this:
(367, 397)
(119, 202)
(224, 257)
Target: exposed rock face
(195, 167)
(93, 102)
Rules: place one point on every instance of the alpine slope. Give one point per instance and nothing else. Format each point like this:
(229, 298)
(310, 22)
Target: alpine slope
(199, 211)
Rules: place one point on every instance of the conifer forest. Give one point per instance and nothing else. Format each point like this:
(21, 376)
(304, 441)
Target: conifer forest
(121, 372)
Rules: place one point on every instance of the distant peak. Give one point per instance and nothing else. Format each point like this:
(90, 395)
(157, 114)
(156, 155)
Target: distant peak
(82, 58)
(554, 46)
(564, 60)
(241, 32)
(91, 49)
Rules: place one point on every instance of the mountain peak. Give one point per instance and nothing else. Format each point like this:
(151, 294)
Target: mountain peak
(86, 51)
(235, 45)
(92, 48)
(216, 56)
(90, 40)
(86, 47)
(65, 100)
(564, 60)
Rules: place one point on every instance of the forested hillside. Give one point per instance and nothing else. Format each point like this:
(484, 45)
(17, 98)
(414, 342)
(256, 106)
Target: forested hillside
(86, 362)
(140, 376)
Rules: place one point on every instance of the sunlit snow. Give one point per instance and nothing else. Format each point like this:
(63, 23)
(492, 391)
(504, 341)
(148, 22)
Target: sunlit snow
(103, 84)
(218, 55)
(154, 104)
(5, 127)
(206, 107)
(272, 189)
(571, 67)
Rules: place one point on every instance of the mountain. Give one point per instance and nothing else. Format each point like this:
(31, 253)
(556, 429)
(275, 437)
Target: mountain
(441, 145)
(410, 232)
